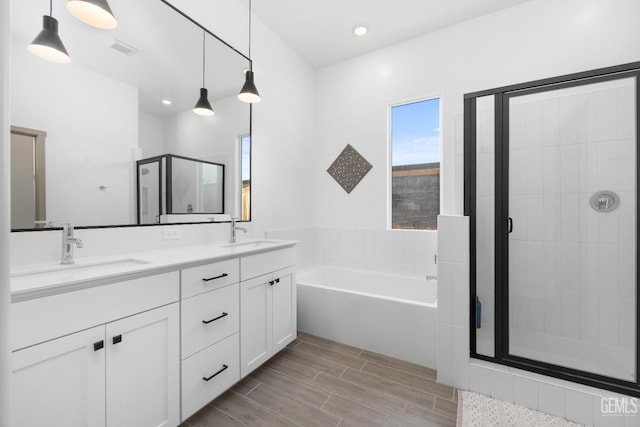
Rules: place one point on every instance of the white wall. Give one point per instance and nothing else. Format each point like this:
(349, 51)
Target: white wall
(82, 150)
(5, 215)
(537, 39)
(150, 135)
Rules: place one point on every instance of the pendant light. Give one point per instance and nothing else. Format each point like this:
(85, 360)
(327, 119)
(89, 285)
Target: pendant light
(203, 107)
(96, 13)
(47, 44)
(249, 92)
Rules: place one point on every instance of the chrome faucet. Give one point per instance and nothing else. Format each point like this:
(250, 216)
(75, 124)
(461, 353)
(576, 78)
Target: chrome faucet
(68, 241)
(234, 228)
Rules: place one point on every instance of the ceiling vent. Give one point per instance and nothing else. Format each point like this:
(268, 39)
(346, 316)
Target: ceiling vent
(122, 47)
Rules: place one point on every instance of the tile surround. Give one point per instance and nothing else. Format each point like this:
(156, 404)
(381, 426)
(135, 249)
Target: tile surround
(573, 401)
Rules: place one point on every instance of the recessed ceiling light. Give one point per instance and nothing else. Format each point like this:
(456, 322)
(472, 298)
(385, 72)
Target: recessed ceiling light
(360, 30)
(166, 102)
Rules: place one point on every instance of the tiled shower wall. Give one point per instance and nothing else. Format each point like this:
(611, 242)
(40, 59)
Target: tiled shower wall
(404, 252)
(572, 269)
(556, 397)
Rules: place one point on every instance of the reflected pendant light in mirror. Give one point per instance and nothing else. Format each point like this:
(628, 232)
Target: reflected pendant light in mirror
(203, 107)
(47, 44)
(96, 13)
(249, 92)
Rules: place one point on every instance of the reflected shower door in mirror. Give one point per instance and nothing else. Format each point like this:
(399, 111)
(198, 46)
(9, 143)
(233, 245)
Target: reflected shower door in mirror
(104, 110)
(170, 186)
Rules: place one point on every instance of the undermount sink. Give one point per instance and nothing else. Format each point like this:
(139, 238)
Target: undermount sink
(104, 267)
(250, 244)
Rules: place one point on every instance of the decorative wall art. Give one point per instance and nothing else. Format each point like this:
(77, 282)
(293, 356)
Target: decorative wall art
(349, 168)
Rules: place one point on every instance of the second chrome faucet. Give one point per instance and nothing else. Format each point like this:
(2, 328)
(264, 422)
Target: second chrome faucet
(234, 228)
(68, 241)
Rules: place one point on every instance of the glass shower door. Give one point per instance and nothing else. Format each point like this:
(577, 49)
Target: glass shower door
(571, 225)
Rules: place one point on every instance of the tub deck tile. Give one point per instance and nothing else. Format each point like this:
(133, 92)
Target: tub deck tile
(315, 382)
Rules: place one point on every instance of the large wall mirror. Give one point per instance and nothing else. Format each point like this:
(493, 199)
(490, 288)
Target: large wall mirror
(94, 118)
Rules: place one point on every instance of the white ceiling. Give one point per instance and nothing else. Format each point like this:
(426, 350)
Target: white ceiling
(321, 31)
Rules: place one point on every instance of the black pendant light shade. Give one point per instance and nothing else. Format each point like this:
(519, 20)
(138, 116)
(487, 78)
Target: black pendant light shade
(96, 13)
(203, 107)
(249, 92)
(47, 44)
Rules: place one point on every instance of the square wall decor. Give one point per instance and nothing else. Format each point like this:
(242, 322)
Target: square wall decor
(349, 168)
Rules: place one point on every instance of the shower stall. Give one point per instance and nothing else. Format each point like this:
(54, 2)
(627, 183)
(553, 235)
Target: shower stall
(551, 192)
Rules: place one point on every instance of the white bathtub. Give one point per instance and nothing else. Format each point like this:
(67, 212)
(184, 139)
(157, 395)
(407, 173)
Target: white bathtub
(389, 314)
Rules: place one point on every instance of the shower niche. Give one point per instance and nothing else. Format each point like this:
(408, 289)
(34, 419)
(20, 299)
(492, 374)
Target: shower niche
(170, 185)
(551, 189)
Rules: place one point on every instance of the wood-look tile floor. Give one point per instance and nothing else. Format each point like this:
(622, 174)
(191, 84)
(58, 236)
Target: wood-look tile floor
(317, 382)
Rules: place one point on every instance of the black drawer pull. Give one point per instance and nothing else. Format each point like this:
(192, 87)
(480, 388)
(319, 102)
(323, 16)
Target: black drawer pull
(272, 282)
(98, 345)
(278, 280)
(117, 339)
(214, 278)
(206, 322)
(224, 368)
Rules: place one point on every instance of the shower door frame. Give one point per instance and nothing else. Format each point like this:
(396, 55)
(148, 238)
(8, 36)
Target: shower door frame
(501, 233)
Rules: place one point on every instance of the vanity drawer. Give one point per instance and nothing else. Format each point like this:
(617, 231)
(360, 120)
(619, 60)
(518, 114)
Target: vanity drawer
(257, 265)
(219, 308)
(196, 391)
(196, 280)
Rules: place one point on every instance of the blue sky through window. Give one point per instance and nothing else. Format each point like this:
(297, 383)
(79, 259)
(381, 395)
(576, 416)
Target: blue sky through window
(415, 133)
(246, 157)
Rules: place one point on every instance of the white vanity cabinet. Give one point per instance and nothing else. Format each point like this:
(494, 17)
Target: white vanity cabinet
(152, 348)
(122, 372)
(60, 382)
(268, 306)
(210, 332)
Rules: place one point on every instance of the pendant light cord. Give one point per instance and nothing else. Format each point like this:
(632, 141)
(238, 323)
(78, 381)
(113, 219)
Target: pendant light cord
(50, 7)
(204, 40)
(250, 61)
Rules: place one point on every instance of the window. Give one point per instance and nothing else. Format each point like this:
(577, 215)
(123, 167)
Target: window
(415, 165)
(245, 177)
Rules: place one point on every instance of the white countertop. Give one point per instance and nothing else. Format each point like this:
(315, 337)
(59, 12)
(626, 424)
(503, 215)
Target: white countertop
(37, 280)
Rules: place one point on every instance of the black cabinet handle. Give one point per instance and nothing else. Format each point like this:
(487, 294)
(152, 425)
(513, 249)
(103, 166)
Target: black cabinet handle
(214, 278)
(278, 280)
(509, 226)
(98, 345)
(272, 282)
(224, 368)
(117, 339)
(206, 322)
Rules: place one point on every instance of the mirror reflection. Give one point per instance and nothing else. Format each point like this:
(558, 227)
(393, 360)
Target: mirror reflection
(171, 185)
(98, 115)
